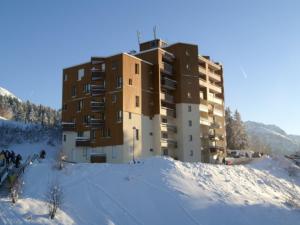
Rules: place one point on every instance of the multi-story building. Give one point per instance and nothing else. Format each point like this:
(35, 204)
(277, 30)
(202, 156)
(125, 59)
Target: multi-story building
(163, 100)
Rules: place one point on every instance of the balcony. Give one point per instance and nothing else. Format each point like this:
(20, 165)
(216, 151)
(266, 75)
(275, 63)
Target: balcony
(204, 122)
(164, 111)
(202, 70)
(215, 100)
(97, 90)
(215, 125)
(167, 68)
(96, 123)
(215, 88)
(68, 126)
(168, 127)
(167, 98)
(215, 148)
(97, 106)
(83, 142)
(168, 143)
(203, 83)
(168, 83)
(218, 112)
(168, 57)
(97, 75)
(215, 77)
(203, 108)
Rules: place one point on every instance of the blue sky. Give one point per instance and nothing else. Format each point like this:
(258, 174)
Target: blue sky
(257, 41)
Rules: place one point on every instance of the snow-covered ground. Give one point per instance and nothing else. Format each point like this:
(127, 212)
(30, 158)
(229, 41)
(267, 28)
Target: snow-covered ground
(158, 191)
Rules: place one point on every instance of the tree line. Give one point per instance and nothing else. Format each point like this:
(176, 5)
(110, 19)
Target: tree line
(27, 112)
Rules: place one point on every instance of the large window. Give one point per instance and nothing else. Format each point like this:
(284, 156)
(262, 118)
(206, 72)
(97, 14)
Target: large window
(65, 77)
(86, 88)
(80, 74)
(114, 98)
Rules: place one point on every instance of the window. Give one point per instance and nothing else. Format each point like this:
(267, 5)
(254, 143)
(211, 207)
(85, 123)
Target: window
(189, 94)
(102, 116)
(65, 107)
(187, 66)
(137, 134)
(86, 119)
(65, 138)
(190, 123)
(79, 134)
(103, 67)
(119, 116)
(190, 108)
(151, 134)
(80, 74)
(137, 68)
(79, 105)
(165, 135)
(113, 98)
(130, 82)
(129, 115)
(165, 152)
(151, 149)
(73, 91)
(86, 88)
(137, 101)
(190, 137)
(105, 132)
(191, 153)
(119, 82)
(114, 65)
(93, 134)
(65, 77)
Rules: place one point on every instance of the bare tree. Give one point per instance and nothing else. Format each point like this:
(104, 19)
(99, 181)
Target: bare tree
(54, 198)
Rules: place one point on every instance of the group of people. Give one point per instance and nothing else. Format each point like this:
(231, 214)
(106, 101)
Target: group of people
(7, 157)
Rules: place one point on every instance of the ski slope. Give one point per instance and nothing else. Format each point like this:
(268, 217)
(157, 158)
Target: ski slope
(158, 191)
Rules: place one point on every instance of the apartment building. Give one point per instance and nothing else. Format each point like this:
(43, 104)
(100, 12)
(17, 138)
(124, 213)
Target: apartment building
(163, 100)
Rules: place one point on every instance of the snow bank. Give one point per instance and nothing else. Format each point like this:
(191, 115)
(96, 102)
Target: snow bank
(158, 191)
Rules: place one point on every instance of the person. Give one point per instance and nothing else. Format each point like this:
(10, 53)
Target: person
(2, 158)
(224, 161)
(13, 156)
(43, 154)
(7, 156)
(18, 160)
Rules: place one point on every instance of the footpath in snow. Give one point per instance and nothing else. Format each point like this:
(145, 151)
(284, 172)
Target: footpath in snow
(160, 191)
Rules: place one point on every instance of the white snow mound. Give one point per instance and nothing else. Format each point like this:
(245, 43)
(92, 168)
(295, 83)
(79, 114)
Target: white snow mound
(160, 191)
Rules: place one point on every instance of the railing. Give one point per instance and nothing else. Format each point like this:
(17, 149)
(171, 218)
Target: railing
(215, 100)
(203, 108)
(167, 98)
(168, 83)
(169, 127)
(83, 141)
(204, 122)
(97, 75)
(167, 112)
(68, 126)
(167, 68)
(214, 76)
(215, 88)
(218, 112)
(168, 142)
(96, 123)
(97, 89)
(168, 57)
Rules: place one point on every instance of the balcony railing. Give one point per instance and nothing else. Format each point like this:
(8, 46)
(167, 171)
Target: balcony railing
(167, 68)
(215, 77)
(203, 108)
(204, 122)
(98, 106)
(97, 89)
(169, 127)
(215, 88)
(167, 98)
(168, 83)
(68, 126)
(168, 142)
(83, 141)
(215, 100)
(96, 123)
(167, 112)
(97, 75)
(218, 112)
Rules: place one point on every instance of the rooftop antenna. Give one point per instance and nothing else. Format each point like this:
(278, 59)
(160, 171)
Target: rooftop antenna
(154, 32)
(138, 34)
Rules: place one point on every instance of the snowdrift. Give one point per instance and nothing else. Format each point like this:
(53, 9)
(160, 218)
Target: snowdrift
(160, 191)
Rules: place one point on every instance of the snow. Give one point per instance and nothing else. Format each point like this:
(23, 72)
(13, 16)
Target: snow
(2, 118)
(157, 191)
(4, 92)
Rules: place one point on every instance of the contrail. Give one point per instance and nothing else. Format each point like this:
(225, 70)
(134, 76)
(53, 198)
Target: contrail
(243, 72)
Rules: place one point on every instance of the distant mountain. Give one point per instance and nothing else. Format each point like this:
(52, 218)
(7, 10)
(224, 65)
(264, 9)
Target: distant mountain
(273, 136)
(5, 92)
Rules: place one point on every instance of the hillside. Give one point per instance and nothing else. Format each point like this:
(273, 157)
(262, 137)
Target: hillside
(159, 191)
(4, 92)
(274, 136)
